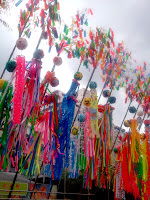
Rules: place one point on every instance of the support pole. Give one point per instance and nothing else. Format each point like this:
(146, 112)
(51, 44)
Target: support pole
(15, 46)
(121, 125)
(102, 91)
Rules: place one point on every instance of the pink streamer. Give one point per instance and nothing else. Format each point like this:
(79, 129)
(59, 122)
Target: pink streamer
(19, 88)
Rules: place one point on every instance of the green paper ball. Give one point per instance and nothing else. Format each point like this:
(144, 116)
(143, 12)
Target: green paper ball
(11, 65)
(92, 85)
(78, 76)
(115, 150)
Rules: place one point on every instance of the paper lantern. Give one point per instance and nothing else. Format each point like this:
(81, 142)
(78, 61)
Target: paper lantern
(101, 108)
(11, 66)
(106, 93)
(2, 81)
(81, 118)
(112, 100)
(38, 54)
(78, 76)
(86, 101)
(54, 82)
(57, 60)
(92, 85)
(21, 43)
(74, 130)
(140, 113)
(132, 109)
(127, 123)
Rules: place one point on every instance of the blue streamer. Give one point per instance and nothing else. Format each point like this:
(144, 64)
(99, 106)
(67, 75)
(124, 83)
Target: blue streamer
(18, 3)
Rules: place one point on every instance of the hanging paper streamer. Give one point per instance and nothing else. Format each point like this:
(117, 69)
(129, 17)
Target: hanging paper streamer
(19, 87)
(133, 160)
(67, 114)
(4, 122)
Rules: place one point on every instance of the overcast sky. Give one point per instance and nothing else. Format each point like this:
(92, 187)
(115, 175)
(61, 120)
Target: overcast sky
(130, 20)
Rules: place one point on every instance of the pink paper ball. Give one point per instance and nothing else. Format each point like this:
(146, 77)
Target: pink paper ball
(54, 82)
(57, 60)
(21, 43)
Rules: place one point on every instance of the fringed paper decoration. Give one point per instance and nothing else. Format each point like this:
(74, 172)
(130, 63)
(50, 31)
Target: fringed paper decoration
(5, 100)
(19, 87)
(91, 156)
(135, 137)
(67, 114)
(32, 87)
(94, 114)
(134, 162)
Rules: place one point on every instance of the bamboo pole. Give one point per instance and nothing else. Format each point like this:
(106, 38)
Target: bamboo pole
(3, 72)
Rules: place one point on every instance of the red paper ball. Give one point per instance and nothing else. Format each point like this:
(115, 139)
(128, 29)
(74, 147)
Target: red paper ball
(101, 108)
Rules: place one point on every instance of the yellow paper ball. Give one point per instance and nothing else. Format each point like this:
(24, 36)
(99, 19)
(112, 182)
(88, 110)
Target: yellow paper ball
(127, 123)
(86, 101)
(74, 130)
(78, 76)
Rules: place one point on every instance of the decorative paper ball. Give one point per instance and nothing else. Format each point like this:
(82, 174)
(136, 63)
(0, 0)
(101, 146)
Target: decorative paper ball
(74, 130)
(78, 76)
(11, 65)
(132, 109)
(92, 85)
(139, 120)
(57, 60)
(49, 75)
(106, 93)
(38, 54)
(115, 150)
(81, 118)
(147, 122)
(127, 123)
(112, 100)
(54, 82)
(140, 113)
(117, 128)
(86, 101)
(101, 108)
(122, 130)
(21, 43)
(2, 81)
